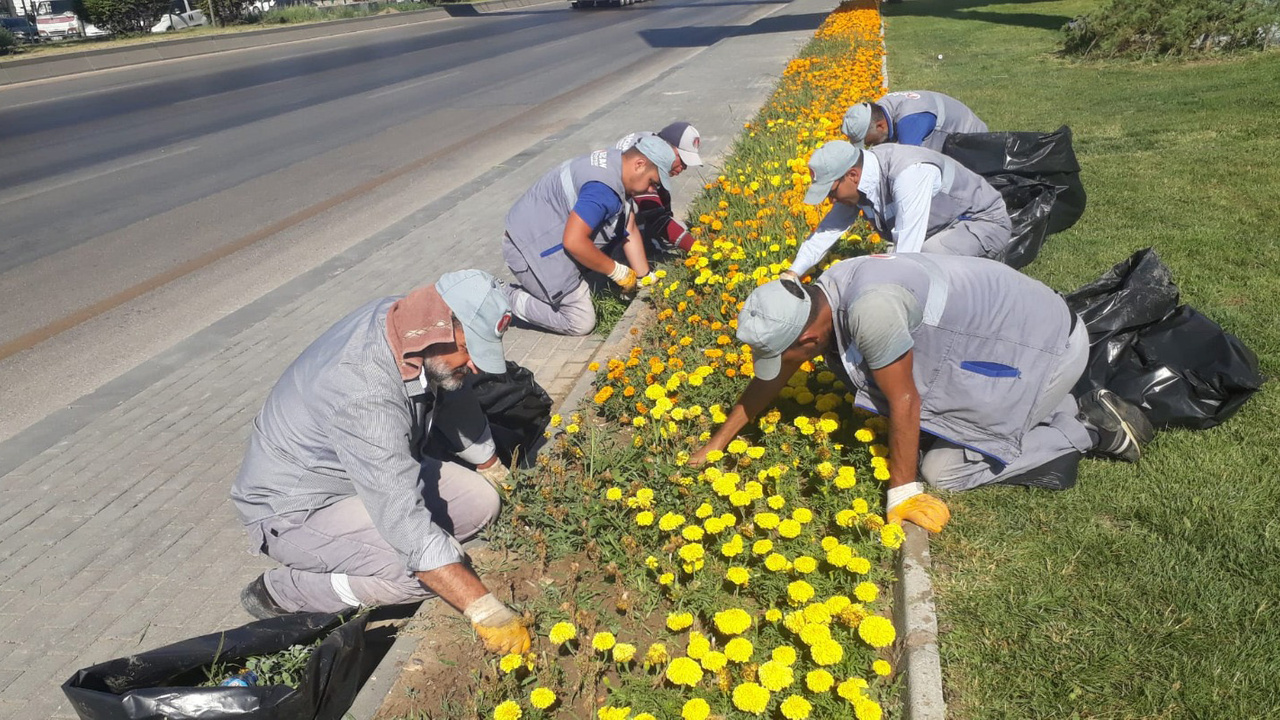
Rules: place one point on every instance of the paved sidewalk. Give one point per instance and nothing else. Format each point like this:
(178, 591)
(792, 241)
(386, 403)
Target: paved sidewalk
(118, 537)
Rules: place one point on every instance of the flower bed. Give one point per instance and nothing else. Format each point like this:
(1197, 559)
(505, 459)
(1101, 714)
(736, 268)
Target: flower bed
(753, 585)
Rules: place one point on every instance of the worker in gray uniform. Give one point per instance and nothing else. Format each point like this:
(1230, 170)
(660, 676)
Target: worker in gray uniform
(910, 117)
(336, 484)
(917, 199)
(971, 361)
(569, 223)
(662, 232)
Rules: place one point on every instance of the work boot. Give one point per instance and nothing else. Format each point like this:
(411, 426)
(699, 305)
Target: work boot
(1118, 427)
(1057, 474)
(257, 601)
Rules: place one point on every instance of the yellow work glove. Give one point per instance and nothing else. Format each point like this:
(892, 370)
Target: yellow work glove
(624, 276)
(910, 503)
(500, 629)
(496, 475)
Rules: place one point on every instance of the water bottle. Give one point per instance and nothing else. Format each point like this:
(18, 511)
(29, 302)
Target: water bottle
(241, 679)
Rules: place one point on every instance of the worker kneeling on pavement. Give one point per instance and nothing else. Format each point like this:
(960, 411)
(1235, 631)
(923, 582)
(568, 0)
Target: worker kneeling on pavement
(654, 217)
(335, 485)
(569, 222)
(911, 117)
(917, 199)
(972, 353)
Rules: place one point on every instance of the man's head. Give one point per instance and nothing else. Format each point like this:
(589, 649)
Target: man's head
(867, 124)
(686, 141)
(783, 321)
(646, 165)
(835, 170)
(480, 317)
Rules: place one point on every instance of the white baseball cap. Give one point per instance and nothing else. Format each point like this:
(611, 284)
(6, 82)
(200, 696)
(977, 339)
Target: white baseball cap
(686, 140)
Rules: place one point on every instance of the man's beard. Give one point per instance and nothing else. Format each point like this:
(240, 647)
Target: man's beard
(443, 376)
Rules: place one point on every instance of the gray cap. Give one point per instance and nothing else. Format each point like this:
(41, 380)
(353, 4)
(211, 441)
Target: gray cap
(660, 153)
(857, 120)
(770, 321)
(476, 298)
(827, 165)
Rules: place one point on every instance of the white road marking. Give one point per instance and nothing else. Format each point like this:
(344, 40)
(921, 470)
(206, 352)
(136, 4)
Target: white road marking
(401, 87)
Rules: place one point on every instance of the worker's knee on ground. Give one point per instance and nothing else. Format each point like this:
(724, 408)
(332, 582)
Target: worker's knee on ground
(579, 323)
(487, 503)
(403, 588)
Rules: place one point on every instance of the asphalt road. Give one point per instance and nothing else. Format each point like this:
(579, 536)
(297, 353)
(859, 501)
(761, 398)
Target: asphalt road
(140, 204)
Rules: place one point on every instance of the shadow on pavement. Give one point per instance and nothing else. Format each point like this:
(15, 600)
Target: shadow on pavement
(963, 10)
(700, 36)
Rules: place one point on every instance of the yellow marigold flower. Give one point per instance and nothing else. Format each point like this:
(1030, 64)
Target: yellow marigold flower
(572, 428)
(644, 496)
(866, 592)
(805, 564)
(713, 525)
(562, 632)
(773, 615)
(802, 515)
(603, 395)
(767, 520)
(542, 698)
(750, 697)
(507, 710)
(836, 603)
(738, 575)
(733, 547)
(684, 671)
(733, 621)
(794, 621)
(761, 547)
(739, 650)
(738, 446)
(789, 528)
(695, 709)
(623, 652)
(881, 474)
(784, 654)
(799, 592)
(653, 392)
(795, 708)
(698, 645)
(877, 631)
(755, 452)
(666, 578)
(881, 667)
(691, 553)
(739, 498)
(827, 425)
(603, 641)
(613, 494)
(775, 676)
(817, 613)
(644, 518)
(859, 565)
(692, 533)
(860, 506)
(892, 536)
(840, 555)
(556, 420)
(776, 562)
(776, 502)
(829, 542)
(846, 480)
(819, 681)
(510, 662)
(656, 654)
(704, 511)
(714, 660)
(639, 421)
(609, 712)
(851, 689)
(678, 621)
(813, 633)
(715, 455)
(670, 521)
(867, 709)
(826, 652)
(865, 435)
(846, 518)
(825, 470)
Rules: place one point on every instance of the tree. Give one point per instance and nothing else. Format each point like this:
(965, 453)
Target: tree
(122, 16)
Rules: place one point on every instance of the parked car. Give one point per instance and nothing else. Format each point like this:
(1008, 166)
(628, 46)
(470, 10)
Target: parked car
(21, 28)
(178, 21)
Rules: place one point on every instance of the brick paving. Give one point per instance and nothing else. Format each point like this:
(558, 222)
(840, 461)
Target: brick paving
(119, 536)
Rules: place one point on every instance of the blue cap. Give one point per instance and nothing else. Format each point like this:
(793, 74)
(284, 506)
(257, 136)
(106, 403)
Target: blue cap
(476, 298)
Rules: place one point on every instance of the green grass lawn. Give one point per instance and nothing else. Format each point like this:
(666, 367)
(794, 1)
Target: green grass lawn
(1148, 591)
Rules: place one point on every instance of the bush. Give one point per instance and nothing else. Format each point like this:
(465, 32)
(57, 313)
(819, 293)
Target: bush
(122, 17)
(7, 41)
(1147, 28)
(226, 11)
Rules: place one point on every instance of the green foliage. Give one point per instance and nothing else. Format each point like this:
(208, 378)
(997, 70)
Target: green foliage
(7, 41)
(122, 17)
(282, 668)
(1147, 28)
(226, 11)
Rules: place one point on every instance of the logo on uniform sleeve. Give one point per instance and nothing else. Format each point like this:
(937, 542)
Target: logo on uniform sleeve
(907, 94)
(600, 158)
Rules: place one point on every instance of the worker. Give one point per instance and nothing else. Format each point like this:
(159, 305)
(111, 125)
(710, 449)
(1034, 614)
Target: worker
(569, 222)
(661, 231)
(973, 354)
(335, 485)
(912, 117)
(916, 199)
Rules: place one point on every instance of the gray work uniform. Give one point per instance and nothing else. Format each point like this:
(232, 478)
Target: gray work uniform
(553, 293)
(952, 115)
(335, 484)
(994, 359)
(966, 216)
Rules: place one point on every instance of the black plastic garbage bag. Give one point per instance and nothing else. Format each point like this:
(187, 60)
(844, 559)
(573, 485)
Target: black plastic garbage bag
(160, 684)
(1179, 366)
(1043, 157)
(518, 409)
(1029, 203)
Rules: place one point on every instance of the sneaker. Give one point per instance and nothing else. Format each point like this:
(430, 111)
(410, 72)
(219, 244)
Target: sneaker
(257, 601)
(1120, 428)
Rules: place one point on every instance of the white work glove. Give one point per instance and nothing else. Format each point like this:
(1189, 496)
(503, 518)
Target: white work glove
(788, 275)
(500, 629)
(910, 503)
(624, 276)
(496, 475)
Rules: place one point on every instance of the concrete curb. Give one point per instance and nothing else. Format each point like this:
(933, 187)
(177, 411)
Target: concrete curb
(380, 684)
(43, 68)
(917, 622)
